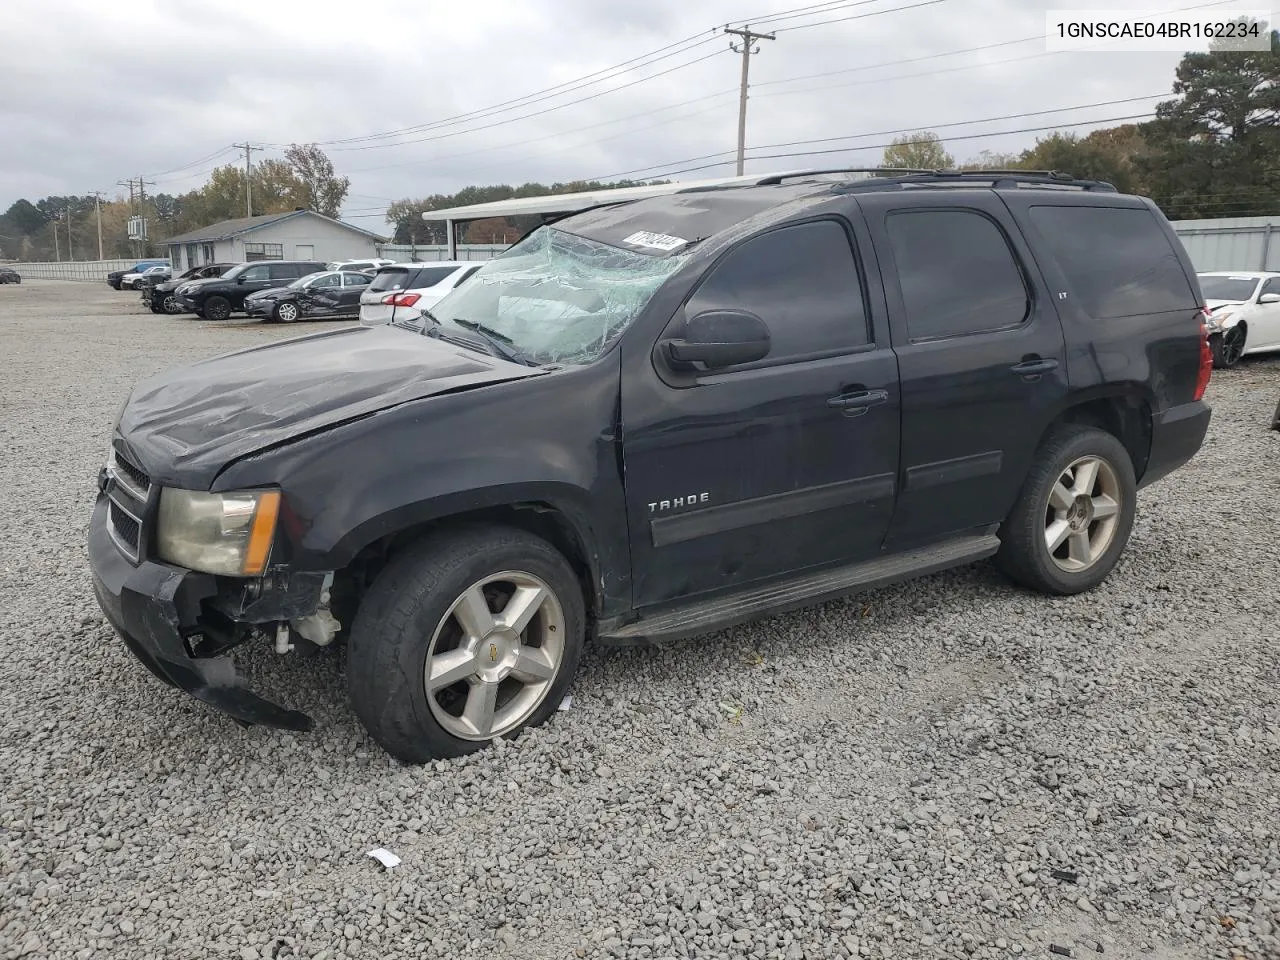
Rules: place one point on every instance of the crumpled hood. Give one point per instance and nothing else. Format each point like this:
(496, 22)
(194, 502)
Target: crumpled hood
(185, 425)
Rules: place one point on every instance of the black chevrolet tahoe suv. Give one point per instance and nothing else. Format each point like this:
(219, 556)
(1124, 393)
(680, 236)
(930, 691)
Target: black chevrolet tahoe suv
(218, 297)
(656, 419)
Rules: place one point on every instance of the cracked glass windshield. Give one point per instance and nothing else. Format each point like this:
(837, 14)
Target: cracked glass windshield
(555, 297)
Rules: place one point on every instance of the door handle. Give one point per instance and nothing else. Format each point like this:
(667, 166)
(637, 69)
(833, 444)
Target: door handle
(856, 404)
(1031, 368)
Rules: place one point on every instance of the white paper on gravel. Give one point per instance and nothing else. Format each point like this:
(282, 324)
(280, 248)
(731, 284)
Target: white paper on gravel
(385, 857)
(566, 703)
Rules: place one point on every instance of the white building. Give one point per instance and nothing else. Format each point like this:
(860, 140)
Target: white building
(297, 235)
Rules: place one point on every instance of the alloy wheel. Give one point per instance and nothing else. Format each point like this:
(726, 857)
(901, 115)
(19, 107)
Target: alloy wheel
(1232, 345)
(1082, 514)
(494, 655)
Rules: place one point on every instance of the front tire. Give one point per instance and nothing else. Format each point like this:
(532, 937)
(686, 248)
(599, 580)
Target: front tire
(217, 308)
(464, 638)
(1228, 347)
(286, 312)
(1074, 515)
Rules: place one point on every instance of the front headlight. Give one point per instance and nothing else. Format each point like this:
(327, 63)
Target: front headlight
(1215, 320)
(223, 533)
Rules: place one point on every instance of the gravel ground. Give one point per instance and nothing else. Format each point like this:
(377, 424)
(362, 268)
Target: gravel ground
(950, 768)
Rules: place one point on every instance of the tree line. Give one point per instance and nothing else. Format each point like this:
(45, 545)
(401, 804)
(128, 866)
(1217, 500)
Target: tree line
(1211, 151)
(67, 226)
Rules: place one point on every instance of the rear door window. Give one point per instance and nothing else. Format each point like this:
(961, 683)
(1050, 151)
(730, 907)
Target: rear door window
(957, 273)
(1118, 260)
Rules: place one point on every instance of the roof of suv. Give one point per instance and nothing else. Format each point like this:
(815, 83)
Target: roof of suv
(664, 224)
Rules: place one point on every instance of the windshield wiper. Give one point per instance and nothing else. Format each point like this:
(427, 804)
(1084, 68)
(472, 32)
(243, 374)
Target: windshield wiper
(502, 345)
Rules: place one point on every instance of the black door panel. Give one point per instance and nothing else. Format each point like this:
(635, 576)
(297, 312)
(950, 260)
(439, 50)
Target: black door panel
(750, 473)
(980, 353)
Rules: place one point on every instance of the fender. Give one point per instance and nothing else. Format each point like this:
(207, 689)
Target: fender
(453, 454)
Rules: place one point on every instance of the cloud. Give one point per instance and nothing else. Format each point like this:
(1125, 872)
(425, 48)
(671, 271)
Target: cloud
(96, 93)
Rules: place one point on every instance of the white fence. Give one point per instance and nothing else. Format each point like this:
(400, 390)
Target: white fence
(424, 253)
(71, 269)
(1231, 243)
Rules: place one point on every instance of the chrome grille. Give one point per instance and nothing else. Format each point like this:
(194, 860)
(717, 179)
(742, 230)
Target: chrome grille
(131, 478)
(129, 497)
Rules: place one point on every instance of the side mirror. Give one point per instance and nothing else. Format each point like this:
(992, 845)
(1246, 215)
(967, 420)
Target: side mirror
(240, 279)
(719, 338)
(1269, 298)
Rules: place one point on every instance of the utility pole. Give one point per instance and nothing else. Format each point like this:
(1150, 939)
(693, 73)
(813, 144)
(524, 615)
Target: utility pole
(132, 208)
(97, 197)
(746, 49)
(142, 212)
(57, 244)
(248, 183)
(67, 211)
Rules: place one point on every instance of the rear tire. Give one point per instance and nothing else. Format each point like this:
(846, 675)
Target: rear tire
(1074, 515)
(441, 609)
(216, 308)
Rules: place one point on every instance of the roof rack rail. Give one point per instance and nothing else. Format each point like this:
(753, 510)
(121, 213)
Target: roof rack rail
(999, 179)
(772, 180)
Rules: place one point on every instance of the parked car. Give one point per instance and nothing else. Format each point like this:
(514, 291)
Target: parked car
(1244, 313)
(657, 419)
(115, 276)
(156, 274)
(9, 275)
(218, 297)
(162, 296)
(358, 265)
(330, 295)
(403, 290)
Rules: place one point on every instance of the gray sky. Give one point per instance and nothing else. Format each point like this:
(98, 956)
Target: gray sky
(92, 93)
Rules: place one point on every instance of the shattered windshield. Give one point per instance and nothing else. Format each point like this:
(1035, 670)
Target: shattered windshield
(556, 297)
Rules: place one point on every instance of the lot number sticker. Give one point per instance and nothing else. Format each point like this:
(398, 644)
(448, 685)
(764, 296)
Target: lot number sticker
(658, 241)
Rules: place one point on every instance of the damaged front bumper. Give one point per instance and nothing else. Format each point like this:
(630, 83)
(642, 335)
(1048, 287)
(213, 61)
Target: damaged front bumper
(180, 623)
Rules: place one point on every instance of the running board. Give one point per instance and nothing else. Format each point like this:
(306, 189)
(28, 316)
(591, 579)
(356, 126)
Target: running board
(709, 615)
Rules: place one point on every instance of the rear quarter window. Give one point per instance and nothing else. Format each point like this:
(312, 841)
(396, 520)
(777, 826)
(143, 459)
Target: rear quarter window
(1118, 261)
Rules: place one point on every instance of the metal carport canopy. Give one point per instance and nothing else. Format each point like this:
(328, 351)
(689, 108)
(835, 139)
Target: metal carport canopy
(563, 203)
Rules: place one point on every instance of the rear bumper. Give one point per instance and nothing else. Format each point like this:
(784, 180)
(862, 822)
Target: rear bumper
(1176, 436)
(156, 608)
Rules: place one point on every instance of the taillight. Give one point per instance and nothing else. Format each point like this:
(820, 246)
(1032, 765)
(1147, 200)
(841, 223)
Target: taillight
(400, 299)
(1206, 357)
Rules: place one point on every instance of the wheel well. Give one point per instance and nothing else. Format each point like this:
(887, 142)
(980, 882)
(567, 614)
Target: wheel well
(540, 519)
(1126, 417)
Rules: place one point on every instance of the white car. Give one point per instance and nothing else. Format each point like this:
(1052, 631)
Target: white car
(402, 291)
(358, 266)
(130, 280)
(1244, 313)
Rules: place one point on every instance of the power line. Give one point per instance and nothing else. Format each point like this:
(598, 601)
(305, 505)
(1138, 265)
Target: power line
(686, 45)
(559, 135)
(194, 163)
(861, 16)
(527, 116)
(885, 133)
(881, 146)
(812, 10)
